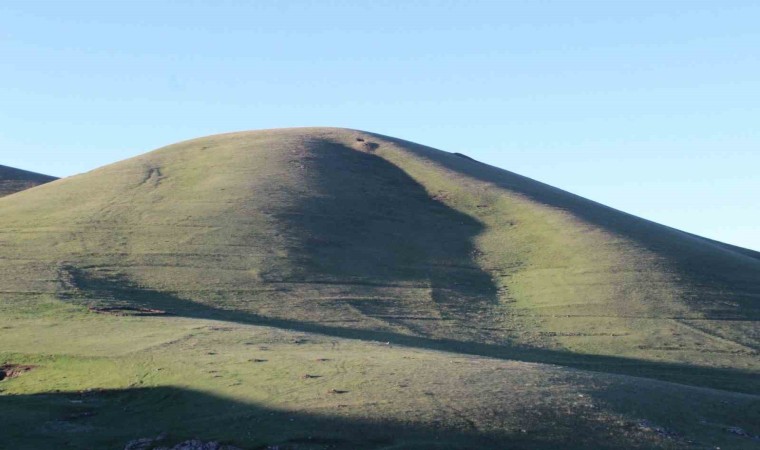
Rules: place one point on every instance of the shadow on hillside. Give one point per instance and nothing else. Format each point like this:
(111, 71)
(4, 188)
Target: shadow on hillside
(119, 291)
(364, 220)
(715, 268)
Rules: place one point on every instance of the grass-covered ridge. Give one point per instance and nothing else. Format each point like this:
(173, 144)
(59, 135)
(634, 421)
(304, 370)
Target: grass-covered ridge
(350, 239)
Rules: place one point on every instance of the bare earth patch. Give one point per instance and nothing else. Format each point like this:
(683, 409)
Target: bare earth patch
(13, 370)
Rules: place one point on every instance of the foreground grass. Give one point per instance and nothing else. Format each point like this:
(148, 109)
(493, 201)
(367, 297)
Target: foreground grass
(247, 385)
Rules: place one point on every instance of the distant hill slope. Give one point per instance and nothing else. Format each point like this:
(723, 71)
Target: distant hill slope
(355, 234)
(15, 180)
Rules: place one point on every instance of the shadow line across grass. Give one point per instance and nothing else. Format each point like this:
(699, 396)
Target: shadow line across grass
(122, 291)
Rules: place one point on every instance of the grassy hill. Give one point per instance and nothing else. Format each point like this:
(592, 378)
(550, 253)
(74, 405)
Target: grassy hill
(332, 288)
(14, 180)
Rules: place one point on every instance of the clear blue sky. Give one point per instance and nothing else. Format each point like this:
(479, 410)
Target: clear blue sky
(649, 107)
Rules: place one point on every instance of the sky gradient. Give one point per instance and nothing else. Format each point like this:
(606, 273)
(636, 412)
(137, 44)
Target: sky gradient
(649, 107)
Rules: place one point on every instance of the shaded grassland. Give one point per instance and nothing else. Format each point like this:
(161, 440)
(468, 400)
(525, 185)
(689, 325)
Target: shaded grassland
(14, 180)
(515, 315)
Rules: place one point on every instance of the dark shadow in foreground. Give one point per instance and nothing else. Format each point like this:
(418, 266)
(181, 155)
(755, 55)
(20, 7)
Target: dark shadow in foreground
(109, 419)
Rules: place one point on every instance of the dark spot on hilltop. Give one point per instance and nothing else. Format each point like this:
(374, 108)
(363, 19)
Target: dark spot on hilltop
(370, 146)
(322, 359)
(14, 370)
(367, 146)
(307, 376)
(258, 360)
(337, 391)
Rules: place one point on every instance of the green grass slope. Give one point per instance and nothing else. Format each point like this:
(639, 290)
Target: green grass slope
(14, 180)
(454, 302)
